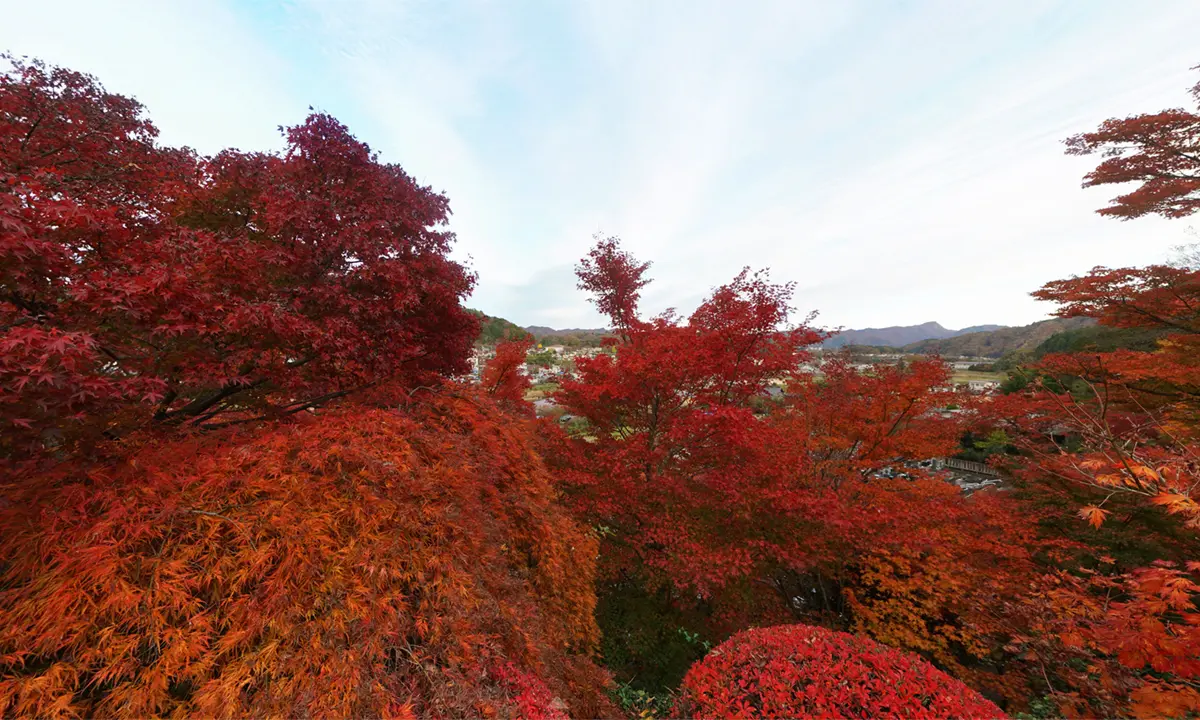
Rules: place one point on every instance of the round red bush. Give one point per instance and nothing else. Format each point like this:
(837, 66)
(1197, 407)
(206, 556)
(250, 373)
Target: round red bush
(805, 671)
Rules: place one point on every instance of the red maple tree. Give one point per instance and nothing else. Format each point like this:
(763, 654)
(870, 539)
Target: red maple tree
(776, 508)
(1161, 151)
(1123, 426)
(146, 285)
(504, 374)
(673, 441)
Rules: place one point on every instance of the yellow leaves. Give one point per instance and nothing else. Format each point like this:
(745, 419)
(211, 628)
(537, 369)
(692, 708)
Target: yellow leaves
(1094, 515)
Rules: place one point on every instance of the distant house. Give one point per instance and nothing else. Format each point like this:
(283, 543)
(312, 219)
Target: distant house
(978, 386)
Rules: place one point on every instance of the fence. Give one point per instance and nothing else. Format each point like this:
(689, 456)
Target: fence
(970, 466)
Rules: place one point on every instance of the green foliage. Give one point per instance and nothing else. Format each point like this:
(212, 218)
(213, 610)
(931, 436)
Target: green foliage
(493, 329)
(1100, 338)
(1136, 535)
(577, 427)
(1092, 338)
(646, 641)
(972, 447)
(641, 704)
(995, 443)
(1018, 379)
(1043, 708)
(580, 339)
(543, 358)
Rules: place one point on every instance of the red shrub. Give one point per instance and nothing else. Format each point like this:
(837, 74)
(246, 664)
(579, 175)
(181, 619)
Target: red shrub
(805, 671)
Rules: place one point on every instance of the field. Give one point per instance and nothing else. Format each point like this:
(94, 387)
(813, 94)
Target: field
(540, 391)
(963, 376)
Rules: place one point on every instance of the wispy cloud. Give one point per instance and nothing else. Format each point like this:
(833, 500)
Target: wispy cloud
(902, 162)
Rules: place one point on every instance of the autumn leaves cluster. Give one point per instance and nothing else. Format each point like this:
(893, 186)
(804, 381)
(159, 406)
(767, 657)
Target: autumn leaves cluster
(183, 532)
(243, 474)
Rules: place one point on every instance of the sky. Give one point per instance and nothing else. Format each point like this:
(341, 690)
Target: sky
(900, 161)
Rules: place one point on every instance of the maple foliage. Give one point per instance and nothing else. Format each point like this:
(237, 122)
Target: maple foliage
(615, 280)
(807, 671)
(1161, 151)
(427, 548)
(1119, 424)
(849, 424)
(695, 487)
(141, 284)
(503, 376)
(364, 563)
(924, 573)
(1123, 427)
(675, 444)
(1133, 414)
(1112, 643)
(788, 515)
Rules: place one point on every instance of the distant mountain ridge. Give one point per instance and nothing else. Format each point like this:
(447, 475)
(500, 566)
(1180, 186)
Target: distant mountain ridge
(901, 335)
(931, 338)
(539, 330)
(996, 343)
(494, 329)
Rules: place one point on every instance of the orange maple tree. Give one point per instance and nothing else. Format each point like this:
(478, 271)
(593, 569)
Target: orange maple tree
(1160, 151)
(367, 562)
(1121, 424)
(185, 528)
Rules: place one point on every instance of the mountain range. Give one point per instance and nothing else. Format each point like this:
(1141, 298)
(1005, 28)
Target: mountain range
(999, 342)
(901, 335)
(931, 338)
(540, 330)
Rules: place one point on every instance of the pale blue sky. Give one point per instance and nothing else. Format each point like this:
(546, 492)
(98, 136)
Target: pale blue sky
(901, 161)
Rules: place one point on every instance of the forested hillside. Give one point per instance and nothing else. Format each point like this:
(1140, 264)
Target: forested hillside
(997, 343)
(494, 329)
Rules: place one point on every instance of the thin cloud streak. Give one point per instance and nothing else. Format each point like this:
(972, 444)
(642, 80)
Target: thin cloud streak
(902, 163)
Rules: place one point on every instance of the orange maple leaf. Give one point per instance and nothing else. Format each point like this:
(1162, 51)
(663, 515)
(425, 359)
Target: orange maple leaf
(1094, 515)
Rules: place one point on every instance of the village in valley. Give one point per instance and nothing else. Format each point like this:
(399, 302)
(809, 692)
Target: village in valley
(547, 364)
(554, 358)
